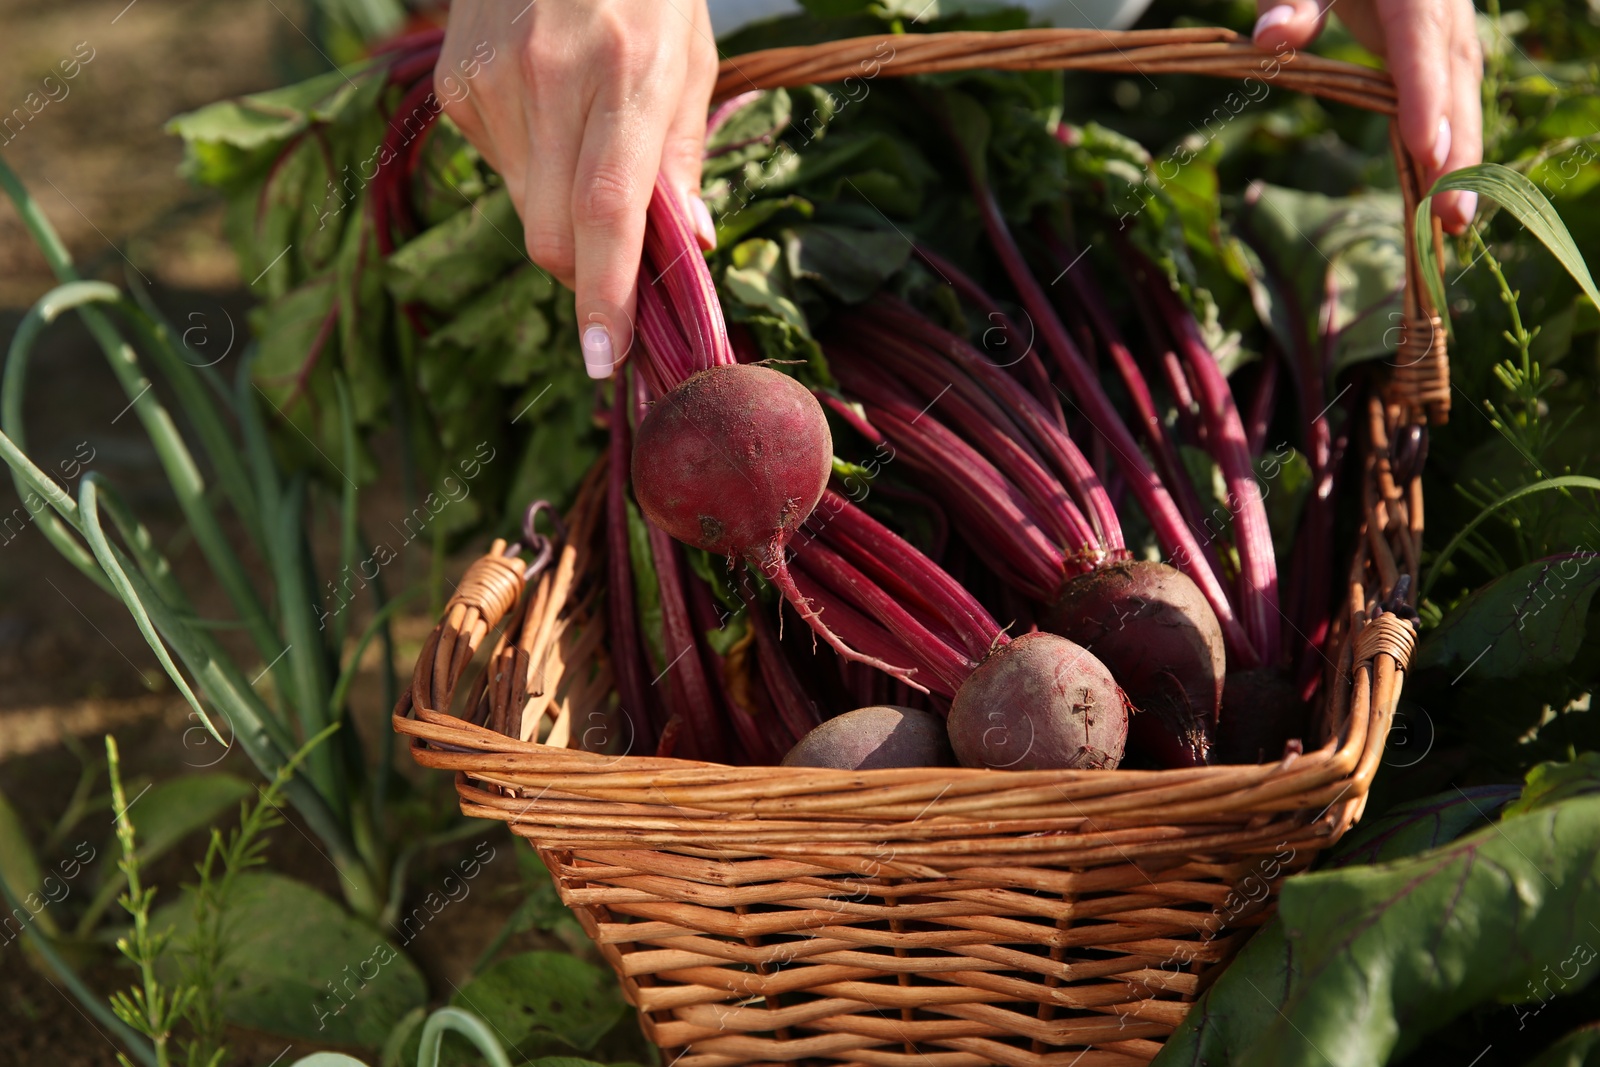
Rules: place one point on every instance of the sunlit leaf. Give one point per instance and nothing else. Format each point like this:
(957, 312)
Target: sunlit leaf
(1363, 963)
(1517, 195)
(1532, 619)
(306, 968)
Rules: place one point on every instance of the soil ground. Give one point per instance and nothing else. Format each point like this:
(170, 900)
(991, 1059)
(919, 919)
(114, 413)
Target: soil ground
(73, 666)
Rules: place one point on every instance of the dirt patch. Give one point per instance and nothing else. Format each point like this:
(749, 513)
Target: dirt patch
(91, 146)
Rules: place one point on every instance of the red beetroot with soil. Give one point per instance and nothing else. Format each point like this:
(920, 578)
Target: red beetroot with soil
(733, 460)
(1040, 702)
(1152, 626)
(733, 457)
(874, 738)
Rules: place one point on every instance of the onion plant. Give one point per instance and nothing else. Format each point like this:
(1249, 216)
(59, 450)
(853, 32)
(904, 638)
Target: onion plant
(237, 504)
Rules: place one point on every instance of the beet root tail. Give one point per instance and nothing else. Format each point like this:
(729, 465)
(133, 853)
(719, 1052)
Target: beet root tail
(776, 570)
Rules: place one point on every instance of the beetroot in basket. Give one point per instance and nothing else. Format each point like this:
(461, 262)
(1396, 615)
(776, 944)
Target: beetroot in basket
(874, 738)
(1006, 466)
(733, 459)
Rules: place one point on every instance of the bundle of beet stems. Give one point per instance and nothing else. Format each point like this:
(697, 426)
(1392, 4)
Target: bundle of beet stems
(735, 459)
(1005, 467)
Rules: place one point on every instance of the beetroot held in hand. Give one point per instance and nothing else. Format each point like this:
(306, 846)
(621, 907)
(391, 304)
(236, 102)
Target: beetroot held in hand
(874, 738)
(1040, 702)
(733, 460)
(1151, 625)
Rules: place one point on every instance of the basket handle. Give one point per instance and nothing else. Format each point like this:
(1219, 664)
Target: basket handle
(1420, 380)
(488, 592)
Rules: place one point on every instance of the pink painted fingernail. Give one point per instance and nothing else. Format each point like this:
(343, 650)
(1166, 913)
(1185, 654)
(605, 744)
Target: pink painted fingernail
(1441, 144)
(704, 228)
(1469, 207)
(1276, 16)
(597, 356)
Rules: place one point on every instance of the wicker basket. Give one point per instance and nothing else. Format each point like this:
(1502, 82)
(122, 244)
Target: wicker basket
(936, 917)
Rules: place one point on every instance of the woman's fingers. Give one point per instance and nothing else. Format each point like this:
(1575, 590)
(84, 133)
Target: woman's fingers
(555, 103)
(684, 148)
(477, 112)
(1455, 209)
(1432, 51)
(1418, 38)
(616, 173)
(1294, 23)
(586, 102)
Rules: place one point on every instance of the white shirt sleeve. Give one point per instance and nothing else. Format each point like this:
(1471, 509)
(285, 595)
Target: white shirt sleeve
(729, 15)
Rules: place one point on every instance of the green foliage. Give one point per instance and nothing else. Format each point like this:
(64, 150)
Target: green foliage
(206, 953)
(538, 1004)
(20, 870)
(1551, 783)
(304, 967)
(148, 1007)
(1531, 620)
(1516, 194)
(1365, 962)
(208, 956)
(540, 909)
(1581, 1048)
(1418, 825)
(537, 997)
(1345, 299)
(222, 470)
(169, 812)
(301, 167)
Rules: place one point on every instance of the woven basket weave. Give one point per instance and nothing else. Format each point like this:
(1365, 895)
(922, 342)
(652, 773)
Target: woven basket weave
(925, 916)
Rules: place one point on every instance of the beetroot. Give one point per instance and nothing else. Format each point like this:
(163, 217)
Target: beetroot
(1153, 627)
(1261, 715)
(873, 738)
(733, 460)
(1039, 702)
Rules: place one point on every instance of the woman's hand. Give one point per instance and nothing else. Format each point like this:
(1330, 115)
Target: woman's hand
(1433, 52)
(581, 104)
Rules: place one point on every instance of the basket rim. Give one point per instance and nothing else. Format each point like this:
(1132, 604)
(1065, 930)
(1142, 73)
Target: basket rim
(1376, 660)
(1210, 50)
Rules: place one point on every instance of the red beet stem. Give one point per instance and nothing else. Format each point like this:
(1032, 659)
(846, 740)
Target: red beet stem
(724, 111)
(685, 672)
(1091, 304)
(940, 667)
(975, 628)
(794, 705)
(1263, 398)
(1258, 586)
(627, 655)
(391, 181)
(847, 630)
(1179, 542)
(669, 359)
(755, 745)
(1004, 403)
(989, 505)
(991, 433)
(1026, 360)
(1044, 426)
(672, 259)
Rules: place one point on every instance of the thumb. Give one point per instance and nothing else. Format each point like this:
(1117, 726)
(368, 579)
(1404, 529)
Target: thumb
(1292, 23)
